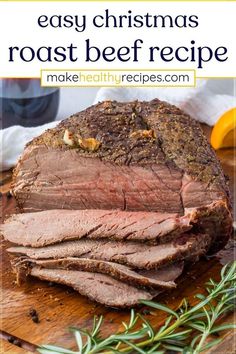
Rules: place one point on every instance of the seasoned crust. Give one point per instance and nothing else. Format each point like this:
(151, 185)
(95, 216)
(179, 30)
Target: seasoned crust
(174, 138)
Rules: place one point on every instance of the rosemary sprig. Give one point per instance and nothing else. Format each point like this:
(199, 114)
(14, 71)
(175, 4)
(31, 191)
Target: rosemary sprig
(187, 330)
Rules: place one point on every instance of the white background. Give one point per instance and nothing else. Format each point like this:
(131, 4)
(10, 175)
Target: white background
(18, 25)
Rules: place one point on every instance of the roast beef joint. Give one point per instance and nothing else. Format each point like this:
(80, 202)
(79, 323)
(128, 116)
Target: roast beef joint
(115, 200)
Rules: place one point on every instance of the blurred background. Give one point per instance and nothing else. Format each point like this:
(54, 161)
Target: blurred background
(24, 102)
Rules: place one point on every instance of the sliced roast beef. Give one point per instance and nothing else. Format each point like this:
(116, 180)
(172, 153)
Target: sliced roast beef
(136, 255)
(100, 287)
(136, 156)
(49, 227)
(97, 287)
(117, 271)
(166, 273)
(53, 226)
(215, 220)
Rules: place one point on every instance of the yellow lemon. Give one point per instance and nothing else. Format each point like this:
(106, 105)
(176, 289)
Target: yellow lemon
(224, 132)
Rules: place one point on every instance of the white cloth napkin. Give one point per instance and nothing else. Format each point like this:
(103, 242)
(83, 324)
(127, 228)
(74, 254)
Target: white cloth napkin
(14, 140)
(202, 103)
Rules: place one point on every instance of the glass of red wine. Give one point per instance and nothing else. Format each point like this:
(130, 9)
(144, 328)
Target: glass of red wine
(24, 102)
